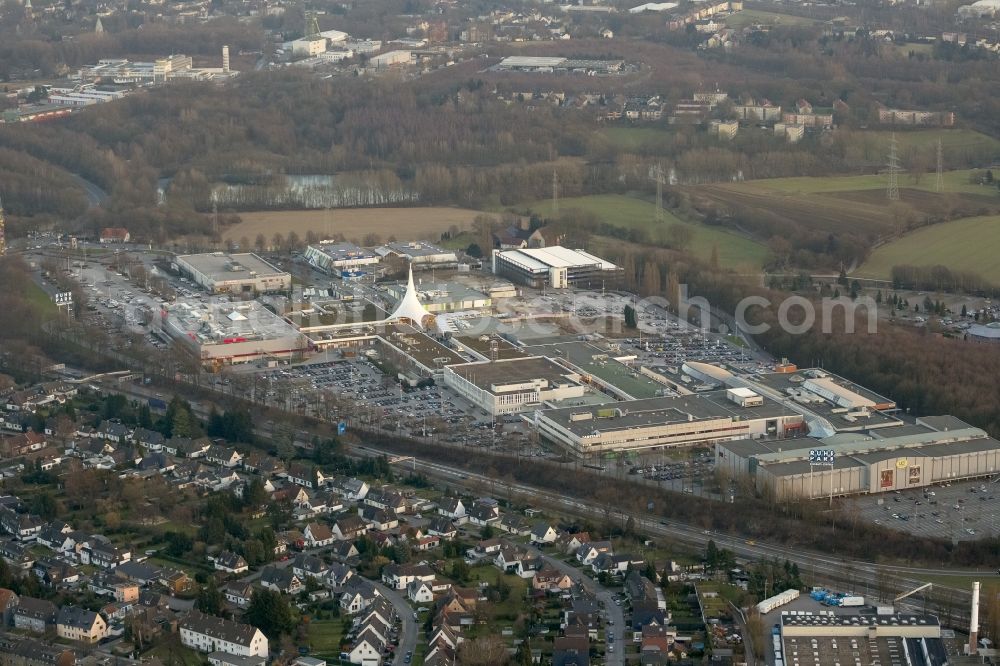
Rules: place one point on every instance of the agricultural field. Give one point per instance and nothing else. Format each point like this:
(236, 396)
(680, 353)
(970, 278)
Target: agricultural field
(632, 213)
(965, 245)
(746, 17)
(402, 223)
(850, 204)
(641, 140)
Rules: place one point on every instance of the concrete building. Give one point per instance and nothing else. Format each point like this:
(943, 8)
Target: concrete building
(514, 385)
(206, 633)
(666, 422)
(390, 59)
(335, 257)
(420, 254)
(445, 297)
(984, 332)
(934, 449)
(556, 267)
(218, 273)
(830, 638)
(230, 333)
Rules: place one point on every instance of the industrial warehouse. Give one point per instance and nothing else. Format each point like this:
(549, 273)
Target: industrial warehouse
(337, 258)
(514, 385)
(667, 422)
(934, 449)
(555, 267)
(218, 273)
(826, 638)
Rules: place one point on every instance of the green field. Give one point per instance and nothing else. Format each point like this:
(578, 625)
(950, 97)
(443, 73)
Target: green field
(640, 139)
(631, 213)
(325, 637)
(953, 181)
(748, 17)
(968, 244)
(40, 299)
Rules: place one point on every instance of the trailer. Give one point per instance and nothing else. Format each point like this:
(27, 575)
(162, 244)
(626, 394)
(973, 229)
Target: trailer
(851, 601)
(778, 600)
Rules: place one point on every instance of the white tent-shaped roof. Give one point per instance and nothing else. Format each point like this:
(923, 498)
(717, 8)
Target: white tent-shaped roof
(410, 307)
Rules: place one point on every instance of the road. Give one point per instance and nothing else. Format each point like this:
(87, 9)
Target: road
(95, 195)
(613, 612)
(408, 634)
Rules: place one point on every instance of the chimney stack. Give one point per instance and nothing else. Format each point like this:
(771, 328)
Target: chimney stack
(225, 58)
(974, 620)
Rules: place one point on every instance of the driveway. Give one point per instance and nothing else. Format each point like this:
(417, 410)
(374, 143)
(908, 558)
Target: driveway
(604, 595)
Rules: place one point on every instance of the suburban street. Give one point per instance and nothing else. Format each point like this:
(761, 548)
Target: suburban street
(613, 612)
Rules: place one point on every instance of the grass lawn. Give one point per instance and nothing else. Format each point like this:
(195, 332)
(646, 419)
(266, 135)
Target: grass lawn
(176, 654)
(325, 637)
(646, 140)
(968, 244)
(633, 213)
(37, 296)
(748, 17)
(954, 181)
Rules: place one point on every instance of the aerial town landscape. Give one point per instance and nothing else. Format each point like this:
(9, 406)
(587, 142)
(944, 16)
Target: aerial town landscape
(488, 332)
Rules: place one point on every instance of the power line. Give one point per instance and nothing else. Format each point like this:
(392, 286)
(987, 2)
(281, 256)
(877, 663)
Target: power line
(892, 190)
(939, 183)
(555, 193)
(657, 175)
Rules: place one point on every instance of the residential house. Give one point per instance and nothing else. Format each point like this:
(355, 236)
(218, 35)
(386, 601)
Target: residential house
(223, 455)
(588, 552)
(367, 649)
(349, 528)
(352, 490)
(114, 431)
(317, 535)
(18, 651)
(79, 624)
(483, 514)
(514, 524)
(100, 552)
(427, 543)
(207, 633)
(550, 579)
(571, 651)
(337, 575)
(378, 519)
(420, 592)
(543, 533)
(442, 527)
(386, 499)
(452, 507)
(358, 595)
(22, 526)
(398, 576)
(230, 562)
(343, 550)
(281, 580)
(17, 554)
(512, 559)
(150, 440)
(303, 475)
(616, 564)
(646, 613)
(8, 604)
(34, 615)
(53, 572)
(56, 536)
(308, 565)
(238, 593)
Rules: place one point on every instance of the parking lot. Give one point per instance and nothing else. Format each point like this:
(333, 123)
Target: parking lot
(957, 511)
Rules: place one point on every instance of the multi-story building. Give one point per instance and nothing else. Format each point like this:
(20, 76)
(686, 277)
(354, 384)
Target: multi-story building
(79, 624)
(207, 633)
